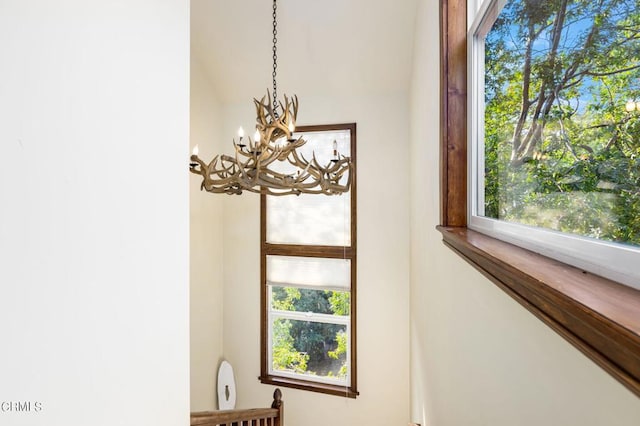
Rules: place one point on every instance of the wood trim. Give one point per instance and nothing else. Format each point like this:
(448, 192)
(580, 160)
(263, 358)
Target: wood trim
(337, 252)
(310, 386)
(333, 252)
(263, 287)
(273, 416)
(453, 113)
(353, 391)
(598, 316)
(214, 418)
(329, 127)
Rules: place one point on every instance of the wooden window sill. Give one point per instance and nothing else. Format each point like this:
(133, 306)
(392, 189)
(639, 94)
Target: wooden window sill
(598, 316)
(309, 386)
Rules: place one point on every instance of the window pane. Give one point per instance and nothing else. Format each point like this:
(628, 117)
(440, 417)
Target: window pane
(296, 299)
(308, 218)
(562, 118)
(309, 272)
(309, 348)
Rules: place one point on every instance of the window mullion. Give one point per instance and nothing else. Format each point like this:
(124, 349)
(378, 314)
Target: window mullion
(311, 317)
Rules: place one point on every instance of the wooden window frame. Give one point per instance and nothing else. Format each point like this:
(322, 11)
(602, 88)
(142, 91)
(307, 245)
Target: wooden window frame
(336, 252)
(598, 316)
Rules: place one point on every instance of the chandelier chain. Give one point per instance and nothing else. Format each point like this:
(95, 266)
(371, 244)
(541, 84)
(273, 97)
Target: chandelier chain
(275, 60)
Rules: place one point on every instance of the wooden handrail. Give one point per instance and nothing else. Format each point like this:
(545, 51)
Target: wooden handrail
(231, 416)
(250, 416)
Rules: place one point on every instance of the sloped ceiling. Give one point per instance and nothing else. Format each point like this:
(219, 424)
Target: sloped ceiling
(325, 47)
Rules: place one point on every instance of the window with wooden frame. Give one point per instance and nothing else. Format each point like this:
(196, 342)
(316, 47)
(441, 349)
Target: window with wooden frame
(308, 278)
(554, 136)
(598, 316)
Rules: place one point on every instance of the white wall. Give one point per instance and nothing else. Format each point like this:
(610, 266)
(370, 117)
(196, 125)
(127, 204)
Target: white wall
(206, 249)
(93, 215)
(383, 270)
(477, 357)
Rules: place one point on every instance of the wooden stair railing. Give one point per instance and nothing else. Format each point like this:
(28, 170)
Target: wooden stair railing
(273, 416)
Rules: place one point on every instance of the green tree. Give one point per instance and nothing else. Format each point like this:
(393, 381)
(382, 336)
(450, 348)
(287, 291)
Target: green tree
(285, 356)
(561, 150)
(340, 352)
(340, 302)
(319, 342)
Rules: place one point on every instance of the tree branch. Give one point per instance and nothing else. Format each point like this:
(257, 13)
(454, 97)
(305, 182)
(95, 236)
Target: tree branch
(604, 74)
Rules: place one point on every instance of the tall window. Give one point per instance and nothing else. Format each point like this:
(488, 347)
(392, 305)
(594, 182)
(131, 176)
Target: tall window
(308, 273)
(555, 130)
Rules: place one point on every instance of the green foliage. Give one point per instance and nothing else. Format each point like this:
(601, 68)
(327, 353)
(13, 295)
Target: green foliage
(307, 346)
(341, 338)
(285, 356)
(561, 151)
(340, 352)
(340, 302)
(284, 298)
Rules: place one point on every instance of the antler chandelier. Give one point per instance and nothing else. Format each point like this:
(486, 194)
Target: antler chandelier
(254, 167)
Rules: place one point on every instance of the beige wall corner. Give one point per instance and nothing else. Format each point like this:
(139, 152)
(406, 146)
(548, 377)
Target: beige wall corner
(206, 248)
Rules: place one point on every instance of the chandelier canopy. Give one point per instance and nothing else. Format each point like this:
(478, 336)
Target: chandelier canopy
(257, 165)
